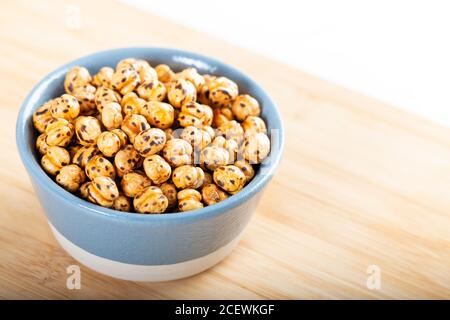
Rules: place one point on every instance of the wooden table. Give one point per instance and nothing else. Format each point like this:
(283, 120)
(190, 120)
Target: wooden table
(361, 183)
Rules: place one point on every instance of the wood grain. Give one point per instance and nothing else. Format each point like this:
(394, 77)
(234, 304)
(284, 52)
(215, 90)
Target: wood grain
(361, 182)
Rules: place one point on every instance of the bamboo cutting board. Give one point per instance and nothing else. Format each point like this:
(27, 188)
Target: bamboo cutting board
(361, 183)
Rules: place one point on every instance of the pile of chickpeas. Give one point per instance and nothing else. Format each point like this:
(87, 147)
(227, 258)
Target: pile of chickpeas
(145, 139)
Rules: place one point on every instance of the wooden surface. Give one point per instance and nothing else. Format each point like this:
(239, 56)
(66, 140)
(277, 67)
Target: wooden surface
(361, 183)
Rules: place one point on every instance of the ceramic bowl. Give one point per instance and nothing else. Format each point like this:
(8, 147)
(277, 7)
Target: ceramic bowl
(136, 246)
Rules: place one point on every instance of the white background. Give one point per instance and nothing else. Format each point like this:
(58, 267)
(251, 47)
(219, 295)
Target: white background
(397, 51)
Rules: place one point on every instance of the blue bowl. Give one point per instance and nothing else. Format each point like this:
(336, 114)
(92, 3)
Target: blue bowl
(135, 246)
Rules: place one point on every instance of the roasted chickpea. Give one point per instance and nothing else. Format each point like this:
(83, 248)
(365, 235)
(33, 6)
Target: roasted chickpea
(100, 166)
(84, 155)
(103, 96)
(59, 132)
(73, 149)
(41, 145)
(127, 63)
(103, 191)
(188, 176)
(75, 78)
(256, 147)
(152, 90)
(125, 80)
(169, 134)
(165, 74)
(150, 141)
(83, 191)
(212, 194)
(109, 143)
(131, 103)
(170, 192)
(66, 107)
(126, 160)
(253, 124)
(222, 92)
(157, 169)
(87, 129)
(245, 105)
(133, 124)
(158, 114)
(145, 71)
(181, 92)
(151, 200)
(86, 99)
(199, 138)
(231, 130)
(222, 115)
(43, 115)
(55, 158)
(191, 75)
(177, 152)
(134, 183)
(213, 157)
(103, 78)
(203, 93)
(189, 199)
(195, 114)
(70, 177)
(208, 179)
(246, 168)
(122, 203)
(112, 115)
(230, 145)
(230, 178)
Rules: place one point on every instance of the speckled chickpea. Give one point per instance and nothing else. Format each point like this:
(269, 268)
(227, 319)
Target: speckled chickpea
(43, 115)
(103, 78)
(125, 80)
(122, 203)
(131, 103)
(230, 178)
(253, 124)
(83, 191)
(191, 75)
(112, 115)
(103, 191)
(199, 138)
(71, 177)
(256, 147)
(195, 114)
(133, 124)
(212, 194)
(134, 183)
(86, 99)
(230, 145)
(208, 179)
(66, 107)
(100, 166)
(157, 169)
(87, 129)
(188, 176)
(58, 132)
(41, 145)
(203, 92)
(73, 149)
(170, 191)
(222, 115)
(150, 141)
(145, 71)
(165, 74)
(151, 200)
(213, 157)
(245, 105)
(152, 90)
(169, 134)
(84, 155)
(55, 158)
(189, 199)
(126, 160)
(177, 152)
(122, 136)
(181, 92)
(76, 77)
(231, 130)
(246, 168)
(109, 143)
(222, 92)
(158, 114)
(103, 96)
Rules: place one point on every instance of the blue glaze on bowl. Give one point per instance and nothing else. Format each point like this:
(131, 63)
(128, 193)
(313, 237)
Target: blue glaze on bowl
(136, 238)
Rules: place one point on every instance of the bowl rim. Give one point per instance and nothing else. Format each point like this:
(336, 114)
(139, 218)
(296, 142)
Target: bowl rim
(35, 170)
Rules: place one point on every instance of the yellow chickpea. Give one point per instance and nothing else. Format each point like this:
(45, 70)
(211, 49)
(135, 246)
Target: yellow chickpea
(151, 200)
(112, 115)
(150, 141)
(87, 129)
(157, 169)
(164, 73)
(222, 92)
(222, 115)
(152, 90)
(70, 177)
(231, 130)
(76, 77)
(213, 157)
(100, 166)
(203, 92)
(188, 176)
(229, 145)
(103, 191)
(170, 191)
(134, 183)
(131, 103)
(195, 114)
(122, 203)
(189, 199)
(253, 124)
(43, 115)
(103, 96)
(55, 158)
(256, 148)
(145, 71)
(212, 194)
(59, 132)
(134, 124)
(246, 168)
(177, 152)
(158, 114)
(66, 107)
(191, 75)
(84, 155)
(41, 145)
(181, 92)
(126, 160)
(125, 80)
(86, 99)
(103, 78)
(230, 178)
(245, 105)
(199, 138)
(109, 143)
